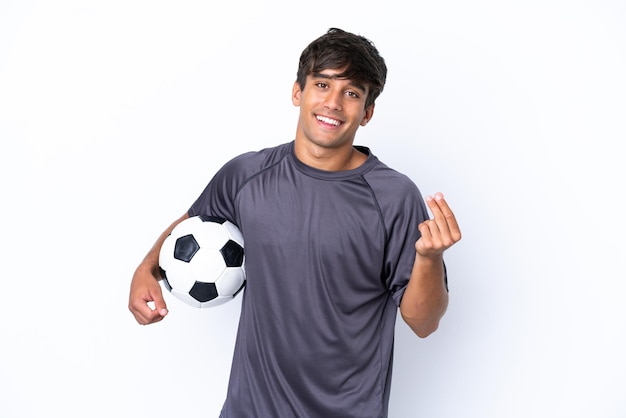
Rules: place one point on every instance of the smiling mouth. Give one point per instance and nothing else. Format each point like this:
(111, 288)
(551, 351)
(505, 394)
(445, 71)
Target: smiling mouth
(328, 121)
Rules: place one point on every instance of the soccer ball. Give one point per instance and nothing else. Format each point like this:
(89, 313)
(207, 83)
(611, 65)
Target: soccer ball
(202, 261)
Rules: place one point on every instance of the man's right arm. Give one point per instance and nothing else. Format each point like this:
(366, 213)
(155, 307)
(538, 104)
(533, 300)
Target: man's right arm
(145, 287)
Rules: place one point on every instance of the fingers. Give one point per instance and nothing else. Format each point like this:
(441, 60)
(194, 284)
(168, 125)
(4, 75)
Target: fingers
(141, 308)
(145, 315)
(446, 222)
(441, 232)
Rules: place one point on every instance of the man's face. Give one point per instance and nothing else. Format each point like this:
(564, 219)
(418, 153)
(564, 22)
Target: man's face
(331, 109)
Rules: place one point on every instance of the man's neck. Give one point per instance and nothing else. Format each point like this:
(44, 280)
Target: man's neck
(329, 159)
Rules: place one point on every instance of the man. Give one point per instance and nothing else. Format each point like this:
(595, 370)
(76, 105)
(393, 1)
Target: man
(336, 241)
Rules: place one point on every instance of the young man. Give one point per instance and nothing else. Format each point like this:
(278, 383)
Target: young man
(336, 241)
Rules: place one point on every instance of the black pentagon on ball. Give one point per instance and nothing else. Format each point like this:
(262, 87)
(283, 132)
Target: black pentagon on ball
(203, 292)
(232, 253)
(185, 248)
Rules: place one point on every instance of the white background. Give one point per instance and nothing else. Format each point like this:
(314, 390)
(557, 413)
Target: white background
(114, 115)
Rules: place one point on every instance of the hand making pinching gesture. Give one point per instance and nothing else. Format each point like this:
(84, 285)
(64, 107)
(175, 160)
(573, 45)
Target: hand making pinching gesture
(439, 233)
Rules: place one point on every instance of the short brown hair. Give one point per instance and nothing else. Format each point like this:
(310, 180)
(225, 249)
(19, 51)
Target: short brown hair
(340, 49)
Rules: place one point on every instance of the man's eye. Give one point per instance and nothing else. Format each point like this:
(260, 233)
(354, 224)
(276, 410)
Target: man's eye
(352, 94)
(321, 85)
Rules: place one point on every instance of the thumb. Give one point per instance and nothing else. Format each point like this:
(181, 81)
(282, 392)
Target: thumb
(159, 303)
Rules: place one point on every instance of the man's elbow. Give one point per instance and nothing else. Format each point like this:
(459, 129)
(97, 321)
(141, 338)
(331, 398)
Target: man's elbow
(422, 328)
(424, 320)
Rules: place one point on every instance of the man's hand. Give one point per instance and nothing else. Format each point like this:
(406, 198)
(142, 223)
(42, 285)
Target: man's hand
(426, 298)
(145, 288)
(439, 233)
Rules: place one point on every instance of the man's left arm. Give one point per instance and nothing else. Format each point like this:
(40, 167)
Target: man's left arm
(425, 299)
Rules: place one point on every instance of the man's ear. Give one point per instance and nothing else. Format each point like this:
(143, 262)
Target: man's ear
(369, 113)
(296, 92)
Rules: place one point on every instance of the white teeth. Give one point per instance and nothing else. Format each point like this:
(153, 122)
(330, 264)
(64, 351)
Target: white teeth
(328, 120)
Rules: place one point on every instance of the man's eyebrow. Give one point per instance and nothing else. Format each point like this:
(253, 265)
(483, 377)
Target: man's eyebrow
(338, 77)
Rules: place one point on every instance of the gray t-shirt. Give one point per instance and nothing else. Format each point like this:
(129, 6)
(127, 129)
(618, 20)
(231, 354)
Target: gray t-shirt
(328, 256)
